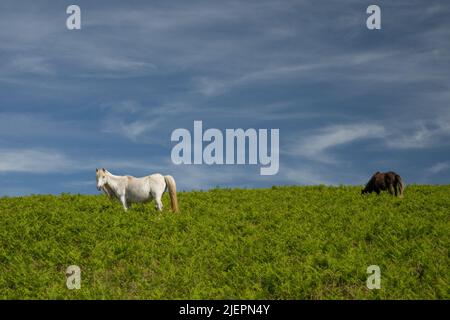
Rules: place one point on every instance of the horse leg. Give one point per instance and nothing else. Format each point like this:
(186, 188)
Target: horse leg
(124, 202)
(157, 195)
(392, 189)
(158, 201)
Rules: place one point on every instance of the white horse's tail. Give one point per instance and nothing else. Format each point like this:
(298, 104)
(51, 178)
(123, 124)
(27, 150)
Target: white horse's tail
(172, 187)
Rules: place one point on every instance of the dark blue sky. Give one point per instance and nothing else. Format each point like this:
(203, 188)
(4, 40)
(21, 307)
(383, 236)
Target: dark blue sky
(348, 101)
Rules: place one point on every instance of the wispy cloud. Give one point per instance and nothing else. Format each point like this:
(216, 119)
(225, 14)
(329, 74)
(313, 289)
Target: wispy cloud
(26, 126)
(33, 161)
(287, 71)
(439, 167)
(420, 136)
(138, 123)
(31, 65)
(316, 146)
(133, 130)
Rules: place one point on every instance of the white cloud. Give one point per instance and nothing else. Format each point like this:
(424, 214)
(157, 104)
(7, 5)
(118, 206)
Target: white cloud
(420, 135)
(131, 130)
(140, 123)
(39, 161)
(31, 64)
(131, 121)
(316, 145)
(275, 72)
(22, 126)
(304, 175)
(439, 167)
(122, 107)
(33, 161)
(122, 65)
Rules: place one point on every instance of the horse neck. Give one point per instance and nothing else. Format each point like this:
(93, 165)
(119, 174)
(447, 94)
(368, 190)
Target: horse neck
(112, 180)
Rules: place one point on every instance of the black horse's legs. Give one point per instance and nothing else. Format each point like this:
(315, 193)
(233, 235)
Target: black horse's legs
(392, 190)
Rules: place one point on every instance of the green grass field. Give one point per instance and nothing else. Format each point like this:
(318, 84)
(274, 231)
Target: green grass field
(278, 243)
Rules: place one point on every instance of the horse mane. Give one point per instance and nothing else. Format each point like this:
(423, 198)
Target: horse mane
(371, 183)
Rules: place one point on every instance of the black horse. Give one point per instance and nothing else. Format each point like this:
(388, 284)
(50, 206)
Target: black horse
(385, 181)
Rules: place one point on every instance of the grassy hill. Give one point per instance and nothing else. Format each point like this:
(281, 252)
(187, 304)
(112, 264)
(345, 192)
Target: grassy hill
(279, 243)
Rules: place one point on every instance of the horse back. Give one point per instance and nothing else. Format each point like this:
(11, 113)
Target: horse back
(386, 179)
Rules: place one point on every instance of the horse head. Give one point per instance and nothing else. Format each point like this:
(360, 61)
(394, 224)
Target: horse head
(101, 178)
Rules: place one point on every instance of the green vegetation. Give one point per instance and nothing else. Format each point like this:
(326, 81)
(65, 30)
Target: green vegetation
(279, 243)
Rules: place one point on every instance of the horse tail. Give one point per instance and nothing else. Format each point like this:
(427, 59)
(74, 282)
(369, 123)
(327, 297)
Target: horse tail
(172, 187)
(399, 184)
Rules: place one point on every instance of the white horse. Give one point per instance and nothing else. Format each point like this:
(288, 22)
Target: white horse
(129, 189)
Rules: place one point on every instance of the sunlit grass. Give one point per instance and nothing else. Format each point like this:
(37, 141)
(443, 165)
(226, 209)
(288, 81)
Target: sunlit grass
(278, 243)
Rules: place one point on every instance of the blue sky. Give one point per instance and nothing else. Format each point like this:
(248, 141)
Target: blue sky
(348, 101)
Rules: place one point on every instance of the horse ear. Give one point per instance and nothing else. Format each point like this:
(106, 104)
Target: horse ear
(103, 169)
(96, 169)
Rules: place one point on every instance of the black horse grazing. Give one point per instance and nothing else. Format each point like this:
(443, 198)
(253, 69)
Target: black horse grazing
(385, 181)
